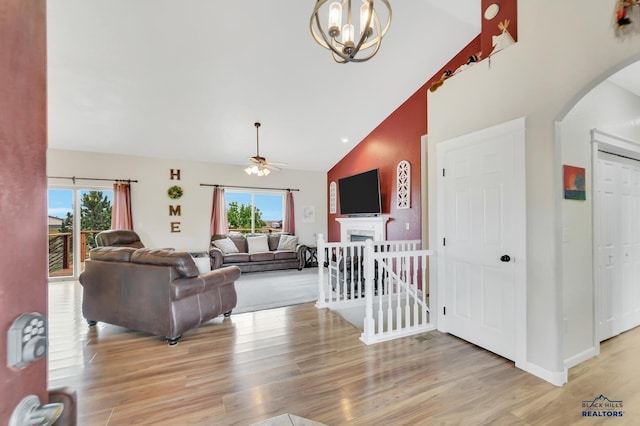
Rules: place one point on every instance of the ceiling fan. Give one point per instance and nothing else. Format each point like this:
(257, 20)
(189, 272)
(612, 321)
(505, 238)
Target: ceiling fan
(259, 165)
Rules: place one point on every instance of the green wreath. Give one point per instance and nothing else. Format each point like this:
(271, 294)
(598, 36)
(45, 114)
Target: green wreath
(175, 192)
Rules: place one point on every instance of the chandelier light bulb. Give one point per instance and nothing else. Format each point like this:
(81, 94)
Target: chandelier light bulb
(347, 39)
(335, 19)
(365, 29)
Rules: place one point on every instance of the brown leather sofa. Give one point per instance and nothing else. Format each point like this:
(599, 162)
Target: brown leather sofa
(160, 292)
(255, 262)
(118, 238)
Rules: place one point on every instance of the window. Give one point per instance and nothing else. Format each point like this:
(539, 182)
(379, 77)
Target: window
(69, 240)
(254, 212)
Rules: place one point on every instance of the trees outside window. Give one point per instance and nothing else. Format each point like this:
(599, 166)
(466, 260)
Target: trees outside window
(94, 209)
(254, 212)
(95, 214)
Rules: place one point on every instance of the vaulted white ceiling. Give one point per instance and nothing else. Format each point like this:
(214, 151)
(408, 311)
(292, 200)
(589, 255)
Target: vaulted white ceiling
(187, 79)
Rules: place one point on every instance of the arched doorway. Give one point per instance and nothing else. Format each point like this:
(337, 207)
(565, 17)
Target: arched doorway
(611, 104)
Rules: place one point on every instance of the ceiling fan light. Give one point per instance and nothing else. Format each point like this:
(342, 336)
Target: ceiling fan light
(260, 166)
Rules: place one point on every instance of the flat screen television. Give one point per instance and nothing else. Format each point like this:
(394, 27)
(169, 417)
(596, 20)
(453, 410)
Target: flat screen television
(360, 194)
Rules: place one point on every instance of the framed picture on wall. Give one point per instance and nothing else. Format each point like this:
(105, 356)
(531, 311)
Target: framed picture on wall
(574, 183)
(308, 214)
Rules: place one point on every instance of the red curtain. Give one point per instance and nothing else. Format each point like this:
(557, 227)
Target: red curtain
(219, 224)
(121, 217)
(289, 214)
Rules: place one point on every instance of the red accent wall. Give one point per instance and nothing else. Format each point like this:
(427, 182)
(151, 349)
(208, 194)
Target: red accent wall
(23, 187)
(397, 138)
(508, 10)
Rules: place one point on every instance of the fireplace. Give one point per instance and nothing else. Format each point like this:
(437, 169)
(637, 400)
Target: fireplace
(370, 227)
(353, 237)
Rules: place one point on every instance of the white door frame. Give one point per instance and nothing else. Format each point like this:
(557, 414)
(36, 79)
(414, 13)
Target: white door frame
(436, 195)
(615, 145)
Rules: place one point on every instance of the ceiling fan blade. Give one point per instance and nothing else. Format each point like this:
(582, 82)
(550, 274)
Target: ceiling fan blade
(257, 159)
(270, 166)
(273, 163)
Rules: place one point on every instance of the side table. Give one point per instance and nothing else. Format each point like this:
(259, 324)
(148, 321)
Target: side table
(311, 256)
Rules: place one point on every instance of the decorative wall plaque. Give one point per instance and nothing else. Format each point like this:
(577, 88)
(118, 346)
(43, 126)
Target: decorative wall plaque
(332, 198)
(403, 176)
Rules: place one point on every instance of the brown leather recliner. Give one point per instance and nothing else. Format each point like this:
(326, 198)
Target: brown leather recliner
(118, 238)
(159, 292)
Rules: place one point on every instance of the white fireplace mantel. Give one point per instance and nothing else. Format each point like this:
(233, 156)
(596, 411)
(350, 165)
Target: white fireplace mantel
(371, 226)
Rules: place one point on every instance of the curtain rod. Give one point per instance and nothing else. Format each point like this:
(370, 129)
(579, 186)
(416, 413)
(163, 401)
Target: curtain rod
(248, 187)
(73, 178)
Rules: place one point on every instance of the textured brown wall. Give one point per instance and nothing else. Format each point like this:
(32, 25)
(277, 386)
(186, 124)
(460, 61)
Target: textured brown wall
(23, 187)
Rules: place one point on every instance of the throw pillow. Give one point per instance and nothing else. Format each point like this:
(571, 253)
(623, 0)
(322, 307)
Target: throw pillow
(226, 245)
(257, 244)
(288, 242)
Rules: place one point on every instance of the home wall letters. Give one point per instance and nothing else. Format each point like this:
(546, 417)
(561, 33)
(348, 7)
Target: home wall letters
(175, 192)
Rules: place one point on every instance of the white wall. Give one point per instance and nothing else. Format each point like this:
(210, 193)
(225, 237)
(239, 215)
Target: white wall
(564, 48)
(150, 203)
(612, 110)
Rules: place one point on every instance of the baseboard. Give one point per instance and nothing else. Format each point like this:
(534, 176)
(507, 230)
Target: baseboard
(557, 378)
(579, 358)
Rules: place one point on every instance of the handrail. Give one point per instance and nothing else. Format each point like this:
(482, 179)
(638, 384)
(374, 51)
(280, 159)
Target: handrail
(345, 277)
(61, 254)
(400, 277)
(388, 274)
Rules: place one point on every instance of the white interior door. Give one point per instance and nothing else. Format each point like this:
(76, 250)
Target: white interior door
(618, 247)
(479, 241)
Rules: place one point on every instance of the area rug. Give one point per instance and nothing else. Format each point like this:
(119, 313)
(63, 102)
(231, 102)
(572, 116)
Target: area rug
(274, 289)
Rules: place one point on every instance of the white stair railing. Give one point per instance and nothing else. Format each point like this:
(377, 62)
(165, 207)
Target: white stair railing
(396, 302)
(342, 284)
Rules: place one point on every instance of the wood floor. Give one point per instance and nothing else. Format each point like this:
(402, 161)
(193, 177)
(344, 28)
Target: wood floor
(310, 363)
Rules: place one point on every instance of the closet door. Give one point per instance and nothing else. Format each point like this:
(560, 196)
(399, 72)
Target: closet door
(618, 251)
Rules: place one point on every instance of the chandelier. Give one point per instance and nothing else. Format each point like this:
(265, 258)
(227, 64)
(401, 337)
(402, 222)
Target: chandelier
(340, 39)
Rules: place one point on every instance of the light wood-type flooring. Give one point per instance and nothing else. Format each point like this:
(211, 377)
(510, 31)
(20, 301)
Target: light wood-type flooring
(310, 363)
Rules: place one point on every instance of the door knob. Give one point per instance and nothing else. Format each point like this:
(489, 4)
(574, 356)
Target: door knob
(505, 258)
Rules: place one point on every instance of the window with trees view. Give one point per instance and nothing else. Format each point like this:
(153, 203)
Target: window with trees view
(254, 212)
(95, 216)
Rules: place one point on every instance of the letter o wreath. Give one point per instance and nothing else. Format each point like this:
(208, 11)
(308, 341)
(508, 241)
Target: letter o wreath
(175, 192)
